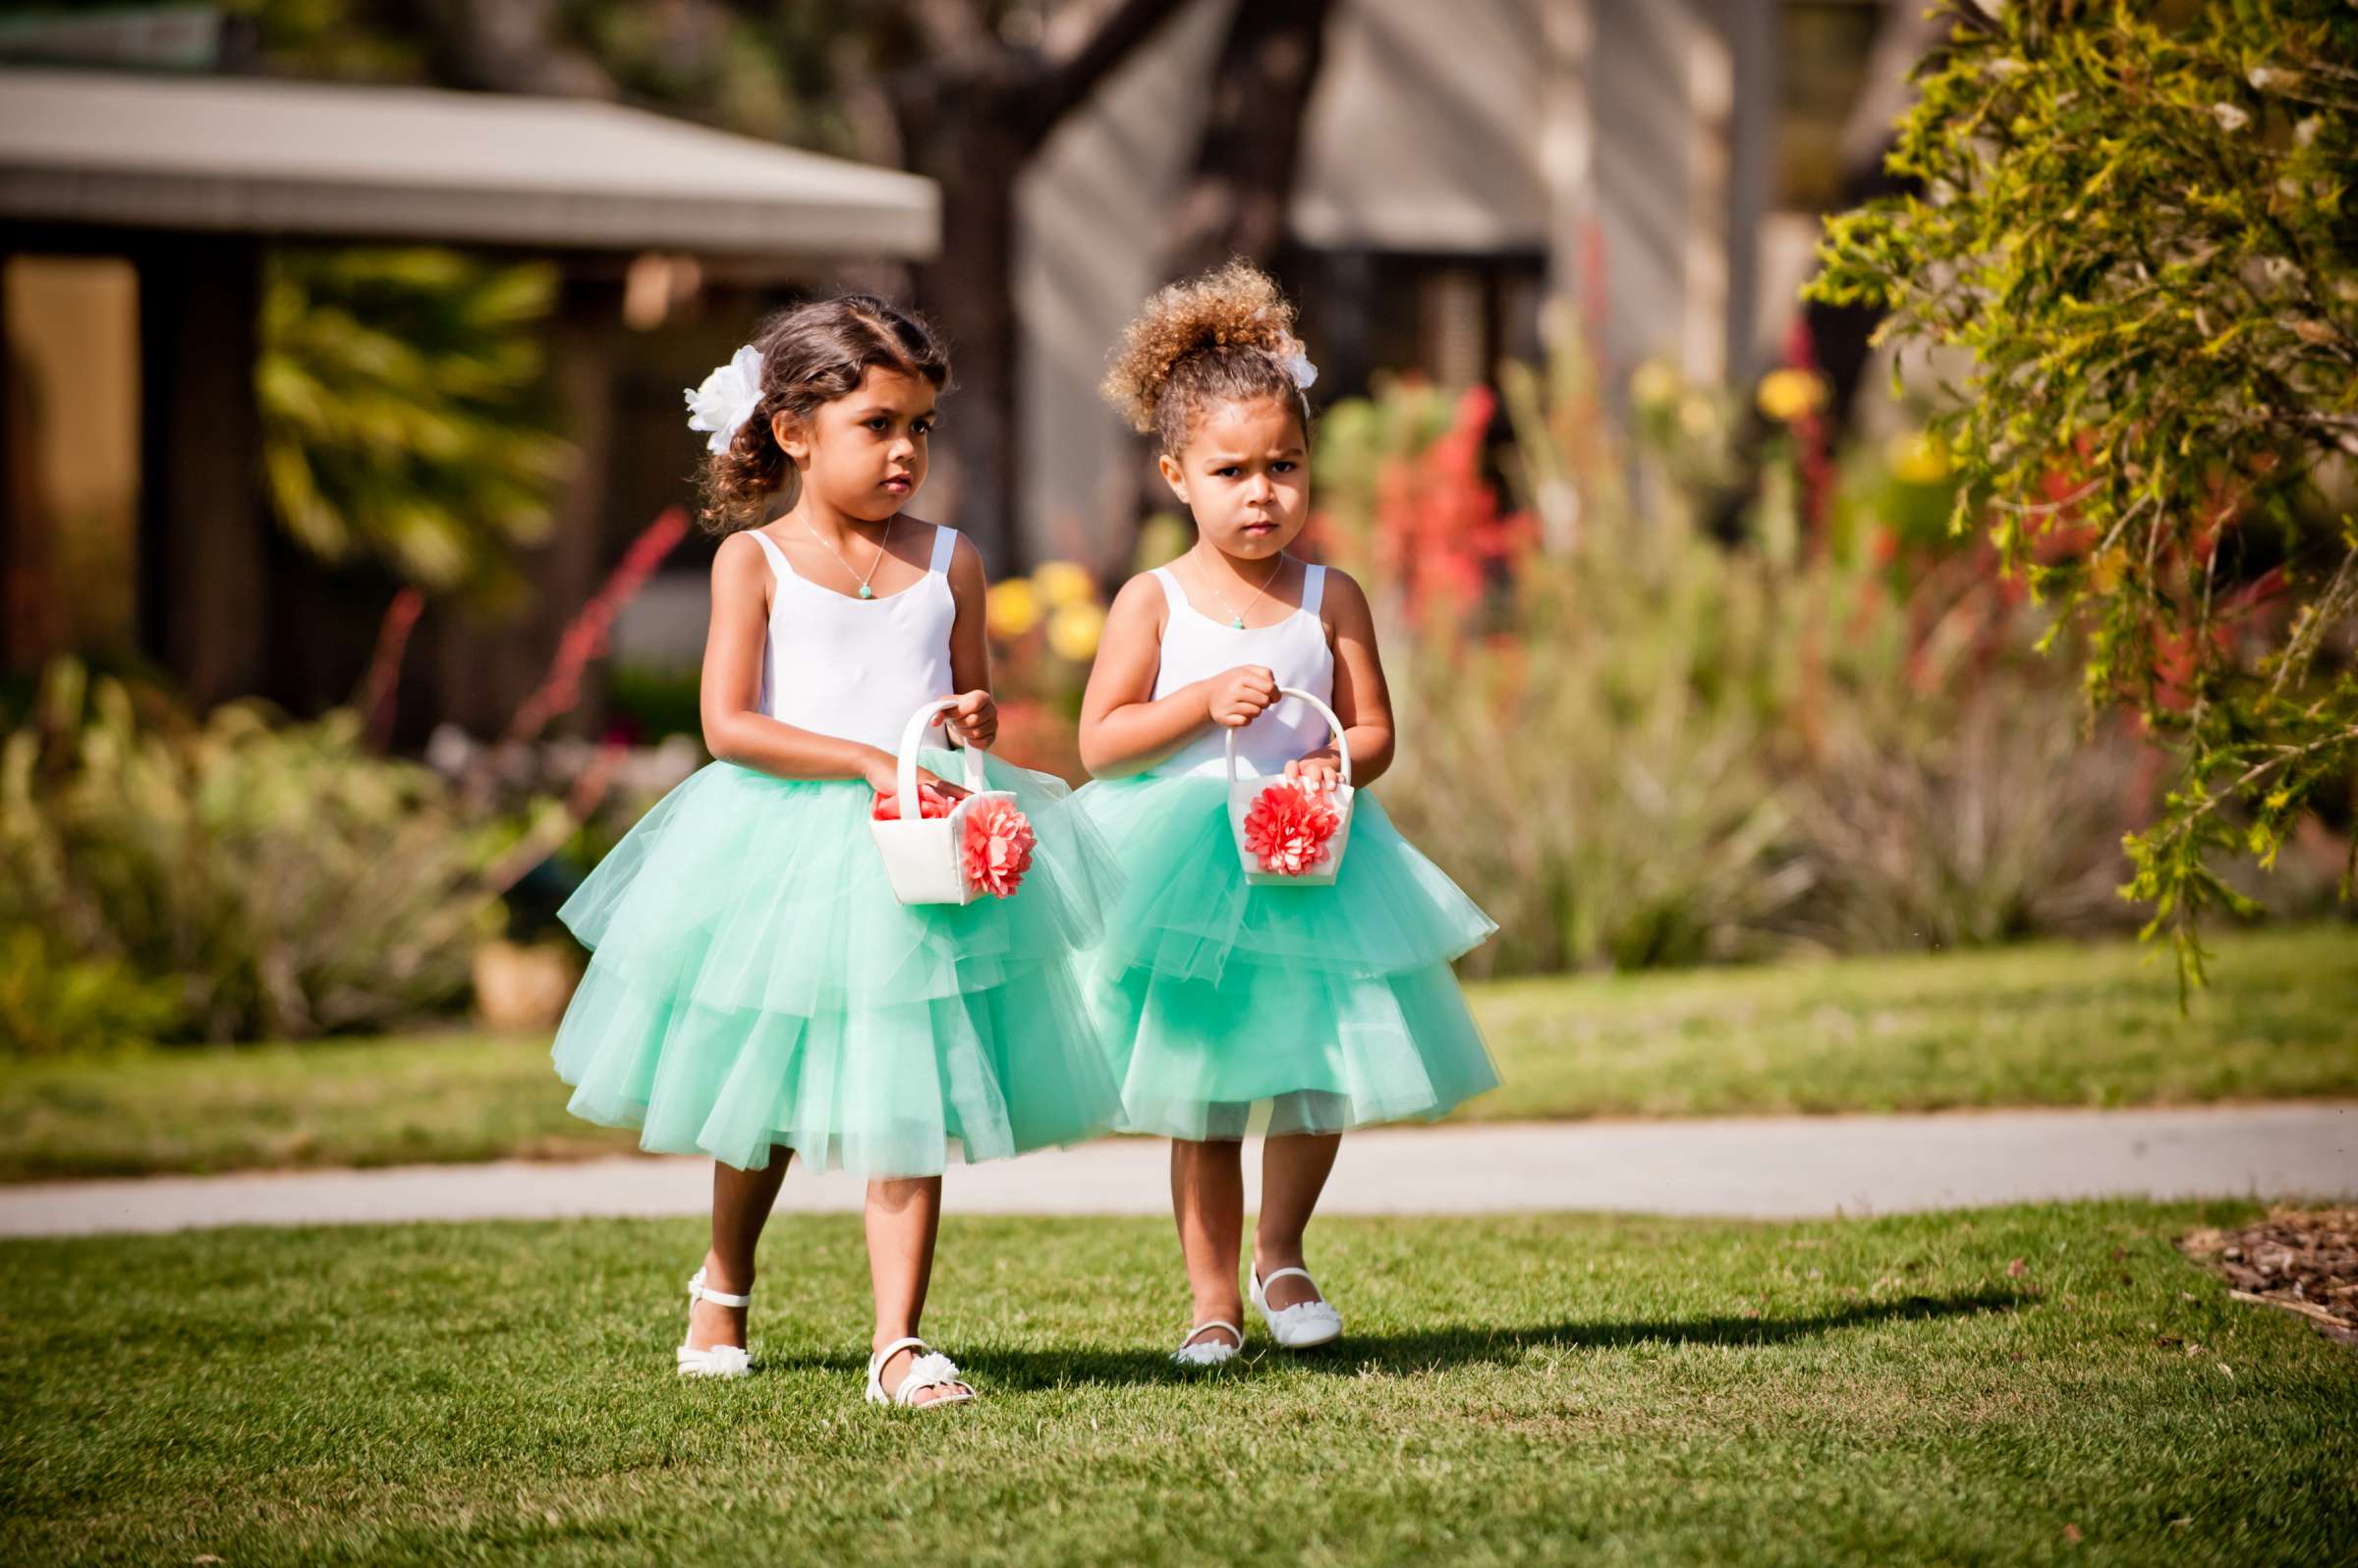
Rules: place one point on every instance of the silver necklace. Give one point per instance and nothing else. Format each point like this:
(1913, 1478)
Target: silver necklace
(865, 592)
(1236, 617)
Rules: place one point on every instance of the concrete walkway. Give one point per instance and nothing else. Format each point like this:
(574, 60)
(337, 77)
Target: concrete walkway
(1769, 1168)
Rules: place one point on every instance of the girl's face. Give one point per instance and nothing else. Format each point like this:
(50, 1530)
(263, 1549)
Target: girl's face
(1246, 477)
(864, 454)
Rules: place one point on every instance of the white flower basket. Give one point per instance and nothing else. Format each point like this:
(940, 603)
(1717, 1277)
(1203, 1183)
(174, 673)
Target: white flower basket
(923, 856)
(1244, 792)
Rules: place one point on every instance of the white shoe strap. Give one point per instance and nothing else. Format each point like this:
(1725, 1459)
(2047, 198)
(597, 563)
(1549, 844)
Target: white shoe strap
(1272, 1278)
(1206, 1327)
(875, 1362)
(697, 1290)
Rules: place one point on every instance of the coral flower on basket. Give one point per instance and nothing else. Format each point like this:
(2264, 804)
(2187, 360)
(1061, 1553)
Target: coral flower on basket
(1290, 825)
(998, 846)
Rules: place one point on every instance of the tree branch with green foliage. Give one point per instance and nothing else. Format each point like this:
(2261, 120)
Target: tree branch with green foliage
(2135, 231)
(405, 414)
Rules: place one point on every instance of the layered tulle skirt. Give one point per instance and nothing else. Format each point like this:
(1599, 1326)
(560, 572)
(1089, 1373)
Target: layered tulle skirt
(754, 982)
(1229, 1008)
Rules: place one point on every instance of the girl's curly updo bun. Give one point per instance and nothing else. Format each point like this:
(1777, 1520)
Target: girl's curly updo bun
(1224, 337)
(811, 353)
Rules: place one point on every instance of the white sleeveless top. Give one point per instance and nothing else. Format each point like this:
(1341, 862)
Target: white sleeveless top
(857, 668)
(1195, 645)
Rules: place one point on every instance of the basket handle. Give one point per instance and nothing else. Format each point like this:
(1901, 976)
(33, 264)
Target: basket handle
(1342, 742)
(912, 737)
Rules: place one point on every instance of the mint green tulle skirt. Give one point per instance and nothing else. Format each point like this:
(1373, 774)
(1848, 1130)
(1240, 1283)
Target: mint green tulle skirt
(1229, 1008)
(754, 983)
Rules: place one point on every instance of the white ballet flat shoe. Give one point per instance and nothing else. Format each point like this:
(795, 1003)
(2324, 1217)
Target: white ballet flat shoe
(1197, 1352)
(929, 1369)
(1305, 1325)
(720, 1361)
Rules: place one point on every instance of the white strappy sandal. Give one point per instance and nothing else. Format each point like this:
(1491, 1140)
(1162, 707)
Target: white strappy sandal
(1306, 1324)
(719, 1360)
(929, 1369)
(1195, 1352)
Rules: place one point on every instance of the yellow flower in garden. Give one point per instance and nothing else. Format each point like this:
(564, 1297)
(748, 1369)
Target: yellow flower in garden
(1013, 607)
(1788, 394)
(1653, 384)
(1072, 631)
(1063, 582)
(1921, 458)
(1697, 415)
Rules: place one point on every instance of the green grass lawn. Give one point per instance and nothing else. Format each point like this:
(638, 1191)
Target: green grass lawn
(2056, 1023)
(2025, 1386)
(2052, 1025)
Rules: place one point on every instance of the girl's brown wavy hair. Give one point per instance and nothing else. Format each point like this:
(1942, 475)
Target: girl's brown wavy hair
(810, 354)
(1222, 337)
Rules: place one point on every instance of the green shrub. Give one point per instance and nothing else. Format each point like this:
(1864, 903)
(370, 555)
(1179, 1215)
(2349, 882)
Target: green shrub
(284, 880)
(1963, 824)
(51, 1004)
(1637, 744)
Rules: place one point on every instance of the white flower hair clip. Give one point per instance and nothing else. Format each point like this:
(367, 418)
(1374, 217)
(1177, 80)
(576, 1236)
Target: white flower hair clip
(727, 398)
(1297, 364)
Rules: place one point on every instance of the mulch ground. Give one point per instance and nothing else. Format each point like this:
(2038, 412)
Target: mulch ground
(2303, 1261)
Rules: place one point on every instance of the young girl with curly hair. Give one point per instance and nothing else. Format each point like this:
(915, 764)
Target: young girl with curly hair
(1278, 960)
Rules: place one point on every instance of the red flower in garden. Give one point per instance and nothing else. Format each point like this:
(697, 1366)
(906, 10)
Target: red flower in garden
(998, 846)
(1439, 530)
(1289, 826)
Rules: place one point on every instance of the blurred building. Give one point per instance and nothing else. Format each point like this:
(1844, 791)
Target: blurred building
(137, 207)
(1659, 162)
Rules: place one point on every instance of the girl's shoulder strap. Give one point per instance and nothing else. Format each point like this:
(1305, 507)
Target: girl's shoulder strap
(1174, 596)
(1314, 588)
(945, 545)
(777, 557)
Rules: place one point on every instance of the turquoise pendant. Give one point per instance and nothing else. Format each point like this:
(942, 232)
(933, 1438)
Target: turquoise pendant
(867, 592)
(1237, 621)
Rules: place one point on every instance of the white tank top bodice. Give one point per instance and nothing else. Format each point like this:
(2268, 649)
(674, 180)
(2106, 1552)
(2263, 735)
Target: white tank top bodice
(1195, 645)
(857, 668)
